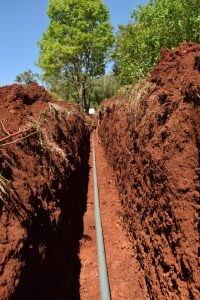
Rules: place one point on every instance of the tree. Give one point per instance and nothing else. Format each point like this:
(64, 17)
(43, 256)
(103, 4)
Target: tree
(27, 77)
(104, 88)
(58, 86)
(160, 23)
(76, 45)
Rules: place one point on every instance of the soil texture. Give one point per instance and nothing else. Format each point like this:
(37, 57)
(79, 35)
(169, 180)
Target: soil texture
(44, 146)
(153, 146)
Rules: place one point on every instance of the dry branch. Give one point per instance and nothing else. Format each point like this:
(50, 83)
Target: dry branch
(15, 133)
(18, 140)
(6, 131)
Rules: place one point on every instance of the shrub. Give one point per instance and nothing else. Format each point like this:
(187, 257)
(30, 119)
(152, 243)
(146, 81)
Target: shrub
(160, 23)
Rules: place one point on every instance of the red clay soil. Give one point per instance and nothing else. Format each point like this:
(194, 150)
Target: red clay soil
(155, 153)
(125, 276)
(43, 159)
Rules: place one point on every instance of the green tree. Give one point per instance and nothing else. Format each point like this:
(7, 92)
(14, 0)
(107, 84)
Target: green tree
(76, 45)
(160, 23)
(60, 87)
(104, 88)
(27, 77)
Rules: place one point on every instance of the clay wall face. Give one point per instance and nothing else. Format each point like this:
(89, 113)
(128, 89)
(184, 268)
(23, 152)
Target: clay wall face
(154, 151)
(44, 148)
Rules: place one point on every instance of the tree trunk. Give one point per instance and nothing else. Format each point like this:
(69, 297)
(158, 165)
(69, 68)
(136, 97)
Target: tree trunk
(83, 93)
(86, 101)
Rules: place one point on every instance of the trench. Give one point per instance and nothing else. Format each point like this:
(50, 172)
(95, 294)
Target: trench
(125, 276)
(70, 270)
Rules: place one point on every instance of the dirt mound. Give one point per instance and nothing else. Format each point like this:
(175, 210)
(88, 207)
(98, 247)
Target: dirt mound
(179, 69)
(26, 94)
(24, 103)
(43, 159)
(153, 146)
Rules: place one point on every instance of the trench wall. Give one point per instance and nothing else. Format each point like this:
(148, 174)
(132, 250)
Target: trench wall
(153, 145)
(44, 174)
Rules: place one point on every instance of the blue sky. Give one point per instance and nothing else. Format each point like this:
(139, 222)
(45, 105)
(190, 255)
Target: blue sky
(22, 23)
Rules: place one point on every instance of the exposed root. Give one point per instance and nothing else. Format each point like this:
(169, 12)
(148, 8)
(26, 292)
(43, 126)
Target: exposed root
(11, 200)
(5, 130)
(8, 196)
(19, 140)
(15, 133)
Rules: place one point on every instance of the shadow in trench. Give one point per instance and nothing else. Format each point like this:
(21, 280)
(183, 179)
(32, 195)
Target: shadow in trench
(51, 251)
(80, 189)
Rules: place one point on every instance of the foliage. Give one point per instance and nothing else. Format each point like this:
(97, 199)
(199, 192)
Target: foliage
(27, 77)
(161, 23)
(59, 87)
(76, 45)
(104, 88)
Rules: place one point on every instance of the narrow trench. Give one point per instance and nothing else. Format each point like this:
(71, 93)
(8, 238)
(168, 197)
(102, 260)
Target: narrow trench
(126, 279)
(71, 270)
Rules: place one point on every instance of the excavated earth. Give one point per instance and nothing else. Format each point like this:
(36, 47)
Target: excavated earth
(44, 146)
(153, 146)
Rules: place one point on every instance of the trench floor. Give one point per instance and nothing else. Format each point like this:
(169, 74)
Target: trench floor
(126, 279)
